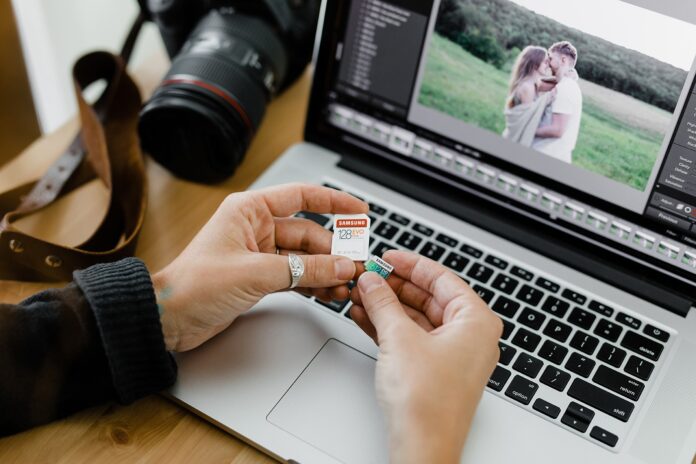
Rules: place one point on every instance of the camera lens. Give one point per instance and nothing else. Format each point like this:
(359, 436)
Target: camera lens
(201, 119)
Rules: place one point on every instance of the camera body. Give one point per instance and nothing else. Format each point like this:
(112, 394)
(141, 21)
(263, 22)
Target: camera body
(229, 58)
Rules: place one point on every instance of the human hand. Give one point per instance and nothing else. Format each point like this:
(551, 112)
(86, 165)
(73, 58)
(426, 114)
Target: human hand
(232, 262)
(438, 345)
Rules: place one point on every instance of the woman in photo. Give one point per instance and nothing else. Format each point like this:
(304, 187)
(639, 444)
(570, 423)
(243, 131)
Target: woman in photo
(531, 93)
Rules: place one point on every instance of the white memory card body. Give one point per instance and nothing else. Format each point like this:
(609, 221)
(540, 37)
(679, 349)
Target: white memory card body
(351, 236)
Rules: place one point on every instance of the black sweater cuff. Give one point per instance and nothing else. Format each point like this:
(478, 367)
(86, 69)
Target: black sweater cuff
(124, 305)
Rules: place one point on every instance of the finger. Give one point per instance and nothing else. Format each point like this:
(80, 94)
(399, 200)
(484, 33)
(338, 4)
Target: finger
(288, 199)
(382, 306)
(359, 316)
(432, 277)
(412, 295)
(320, 271)
(302, 235)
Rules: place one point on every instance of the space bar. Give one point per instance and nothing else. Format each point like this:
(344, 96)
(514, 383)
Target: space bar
(601, 399)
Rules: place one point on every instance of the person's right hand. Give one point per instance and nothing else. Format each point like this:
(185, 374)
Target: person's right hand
(438, 345)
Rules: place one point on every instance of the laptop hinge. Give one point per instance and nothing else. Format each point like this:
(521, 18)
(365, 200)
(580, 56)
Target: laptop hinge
(583, 256)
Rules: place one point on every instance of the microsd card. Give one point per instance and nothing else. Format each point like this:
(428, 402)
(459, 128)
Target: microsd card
(351, 236)
(378, 265)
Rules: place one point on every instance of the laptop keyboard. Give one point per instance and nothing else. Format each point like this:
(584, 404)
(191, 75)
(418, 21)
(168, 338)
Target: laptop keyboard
(565, 356)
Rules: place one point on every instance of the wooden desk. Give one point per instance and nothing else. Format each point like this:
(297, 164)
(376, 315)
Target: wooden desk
(152, 429)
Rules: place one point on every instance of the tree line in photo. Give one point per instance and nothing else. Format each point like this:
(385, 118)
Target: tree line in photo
(496, 31)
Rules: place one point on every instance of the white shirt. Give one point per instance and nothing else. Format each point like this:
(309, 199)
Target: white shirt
(568, 101)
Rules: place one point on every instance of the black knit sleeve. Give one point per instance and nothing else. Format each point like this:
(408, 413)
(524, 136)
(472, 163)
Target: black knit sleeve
(124, 306)
(98, 339)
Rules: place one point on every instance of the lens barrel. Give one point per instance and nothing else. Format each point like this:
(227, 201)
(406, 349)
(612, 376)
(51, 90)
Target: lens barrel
(201, 119)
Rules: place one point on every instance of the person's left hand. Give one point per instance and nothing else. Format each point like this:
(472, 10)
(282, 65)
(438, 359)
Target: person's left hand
(232, 262)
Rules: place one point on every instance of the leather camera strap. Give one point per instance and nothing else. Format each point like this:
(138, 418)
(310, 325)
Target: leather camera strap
(106, 148)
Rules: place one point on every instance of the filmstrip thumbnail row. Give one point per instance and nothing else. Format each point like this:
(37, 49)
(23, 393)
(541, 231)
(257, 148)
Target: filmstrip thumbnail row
(408, 144)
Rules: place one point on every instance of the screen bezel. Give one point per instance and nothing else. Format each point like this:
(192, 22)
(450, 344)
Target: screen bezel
(332, 27)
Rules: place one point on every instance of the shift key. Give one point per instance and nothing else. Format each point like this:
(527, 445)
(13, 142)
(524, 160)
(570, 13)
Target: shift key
(595, 397)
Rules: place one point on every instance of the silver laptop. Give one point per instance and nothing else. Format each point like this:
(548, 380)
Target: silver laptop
(570, 207)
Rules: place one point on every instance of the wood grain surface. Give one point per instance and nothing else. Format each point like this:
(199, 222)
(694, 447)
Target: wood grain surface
(152, 429)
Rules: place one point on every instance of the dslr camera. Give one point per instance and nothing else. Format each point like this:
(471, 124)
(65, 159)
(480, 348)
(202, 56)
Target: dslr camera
(229, 58)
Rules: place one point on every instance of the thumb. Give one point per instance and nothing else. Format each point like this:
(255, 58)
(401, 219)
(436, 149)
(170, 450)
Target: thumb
(381, 305)
(320, 271)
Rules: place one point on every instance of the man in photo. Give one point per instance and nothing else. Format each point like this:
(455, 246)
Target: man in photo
(558, 138)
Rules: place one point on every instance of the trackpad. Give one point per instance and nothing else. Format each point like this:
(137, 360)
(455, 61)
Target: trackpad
(332, 406)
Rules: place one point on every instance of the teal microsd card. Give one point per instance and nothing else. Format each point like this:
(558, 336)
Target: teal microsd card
(378, 265)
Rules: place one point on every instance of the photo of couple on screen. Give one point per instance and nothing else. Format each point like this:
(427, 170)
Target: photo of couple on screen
(579, 81)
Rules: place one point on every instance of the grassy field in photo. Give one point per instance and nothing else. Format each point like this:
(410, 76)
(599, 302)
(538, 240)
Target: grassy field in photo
(620, 136)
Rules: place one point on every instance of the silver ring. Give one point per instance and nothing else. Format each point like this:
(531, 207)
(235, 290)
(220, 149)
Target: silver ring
(296, 269)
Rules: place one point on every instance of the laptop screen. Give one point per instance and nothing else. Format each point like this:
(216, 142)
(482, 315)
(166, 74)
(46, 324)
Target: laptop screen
(581, 110)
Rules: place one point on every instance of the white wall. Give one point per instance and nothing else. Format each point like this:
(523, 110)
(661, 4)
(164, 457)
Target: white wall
(54, 33)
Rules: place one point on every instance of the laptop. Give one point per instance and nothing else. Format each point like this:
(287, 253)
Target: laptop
(558, 181)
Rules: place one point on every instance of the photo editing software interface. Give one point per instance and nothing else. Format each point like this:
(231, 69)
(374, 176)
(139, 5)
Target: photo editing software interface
(602, 104)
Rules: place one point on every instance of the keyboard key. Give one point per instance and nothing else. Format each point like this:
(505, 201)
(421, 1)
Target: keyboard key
(449, 241)
(505, 306)
(583, 413)
(506, 353)
(618, 383)
(603, 436)
(331, 186)
(554, 306)
(557, 330)
(531, 318)
(584, 342)
(628, 320)
(652, 331)
(399, 219)
(455, 261)
(409, 241)
(497, 262)
(432, 251)
(580, 364)
(598, 398)
(505, 284)
(471, 251)
(611, 355)
(498, 378)
(639, 367)
(386, 230)
(528, 365)
(485, 294)
(526, 340)
(480, 272)
(521, 389)
(608, 330)
(318, 218)
(530, 295)
(381, 248)
(421, 229)
(334, 305)
(508, 327)
(548, 285)
(553, 352)
(642, 345)
(574, 296)
(555, 378)
(377, 209)
(574, 423)
(601, 308)
(581, 318)
(546, 408)
(522, 273)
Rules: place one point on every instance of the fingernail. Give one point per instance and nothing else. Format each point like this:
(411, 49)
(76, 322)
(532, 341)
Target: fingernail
(369, 281)
(345, 269)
